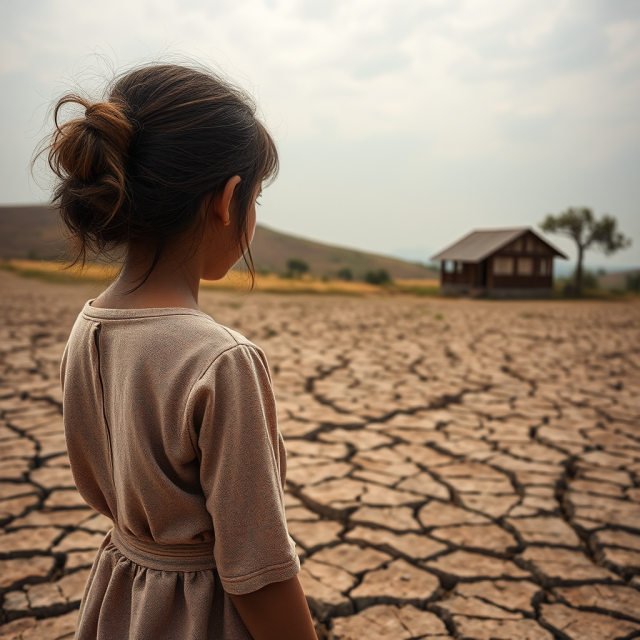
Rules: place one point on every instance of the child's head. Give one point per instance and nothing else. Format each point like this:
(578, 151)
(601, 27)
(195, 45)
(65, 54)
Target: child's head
(138, 169)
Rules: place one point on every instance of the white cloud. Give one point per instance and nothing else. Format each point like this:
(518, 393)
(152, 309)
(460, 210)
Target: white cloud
(364, 67)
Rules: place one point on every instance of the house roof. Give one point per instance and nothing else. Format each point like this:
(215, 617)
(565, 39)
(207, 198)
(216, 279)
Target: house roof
(481, 243)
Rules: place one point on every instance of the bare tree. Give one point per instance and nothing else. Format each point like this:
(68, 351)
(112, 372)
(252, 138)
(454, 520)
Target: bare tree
(586, 231)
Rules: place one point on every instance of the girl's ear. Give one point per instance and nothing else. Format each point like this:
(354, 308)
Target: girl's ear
(222, 200)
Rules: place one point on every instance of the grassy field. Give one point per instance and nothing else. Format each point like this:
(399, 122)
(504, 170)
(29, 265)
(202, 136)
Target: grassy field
(237, 281)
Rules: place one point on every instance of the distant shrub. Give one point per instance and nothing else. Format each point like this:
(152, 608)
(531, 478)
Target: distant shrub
(379, 276)
(589, 280)
(297, 266)
(345, 274)
(633, 282)
(567, 286)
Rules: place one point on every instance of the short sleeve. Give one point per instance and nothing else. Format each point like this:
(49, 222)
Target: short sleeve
(241, 471)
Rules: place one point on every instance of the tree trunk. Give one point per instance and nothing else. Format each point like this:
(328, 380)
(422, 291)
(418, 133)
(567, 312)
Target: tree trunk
(578, 284)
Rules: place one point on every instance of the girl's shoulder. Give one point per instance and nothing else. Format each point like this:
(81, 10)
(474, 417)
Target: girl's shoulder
(188, 338)
(228, 339)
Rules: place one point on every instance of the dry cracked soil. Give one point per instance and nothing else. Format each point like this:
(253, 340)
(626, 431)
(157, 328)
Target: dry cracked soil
(456, 469)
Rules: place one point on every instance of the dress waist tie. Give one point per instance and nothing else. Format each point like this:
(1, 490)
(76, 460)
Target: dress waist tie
(164, 557)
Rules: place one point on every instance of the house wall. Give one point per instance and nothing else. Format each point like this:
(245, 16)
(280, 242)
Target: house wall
(526, 250)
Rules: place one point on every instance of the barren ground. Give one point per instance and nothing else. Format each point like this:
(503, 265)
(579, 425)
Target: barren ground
(456, 469)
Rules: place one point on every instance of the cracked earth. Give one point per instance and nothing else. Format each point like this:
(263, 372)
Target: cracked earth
(456, 469)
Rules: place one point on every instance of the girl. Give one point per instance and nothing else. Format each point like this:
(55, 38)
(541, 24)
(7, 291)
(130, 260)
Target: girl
(170, 417)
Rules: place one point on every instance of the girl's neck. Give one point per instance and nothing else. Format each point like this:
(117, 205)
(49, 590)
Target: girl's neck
(169, 285)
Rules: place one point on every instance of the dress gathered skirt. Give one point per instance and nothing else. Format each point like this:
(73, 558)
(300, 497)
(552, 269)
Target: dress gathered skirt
(125, 599)
(171, 430)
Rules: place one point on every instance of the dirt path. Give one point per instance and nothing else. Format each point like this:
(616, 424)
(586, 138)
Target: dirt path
(456, 469)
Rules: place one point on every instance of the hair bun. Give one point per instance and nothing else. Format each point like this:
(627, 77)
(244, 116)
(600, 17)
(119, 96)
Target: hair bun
(90, 146)
(107, 120)
(90, 155)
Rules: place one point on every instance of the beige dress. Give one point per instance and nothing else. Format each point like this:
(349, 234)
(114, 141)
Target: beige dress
(170, 423)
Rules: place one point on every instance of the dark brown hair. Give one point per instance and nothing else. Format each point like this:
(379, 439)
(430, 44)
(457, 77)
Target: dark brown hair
(138, 167)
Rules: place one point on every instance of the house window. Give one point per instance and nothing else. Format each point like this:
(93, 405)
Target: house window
(525, 266)
(503, 266)
(531, 244)
(517, 245)
(544, 267)
(452, 266)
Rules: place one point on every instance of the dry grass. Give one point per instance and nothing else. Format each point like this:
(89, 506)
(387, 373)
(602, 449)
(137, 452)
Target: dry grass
(91, 272)
(234, 281)
(273, 283)
(413, 282)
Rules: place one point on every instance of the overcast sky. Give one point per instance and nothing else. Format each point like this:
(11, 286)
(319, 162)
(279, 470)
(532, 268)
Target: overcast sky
(401, 124)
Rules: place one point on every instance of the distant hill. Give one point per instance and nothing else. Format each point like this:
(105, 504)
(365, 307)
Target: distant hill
(35, 232)
(30, 232)
(271, 250)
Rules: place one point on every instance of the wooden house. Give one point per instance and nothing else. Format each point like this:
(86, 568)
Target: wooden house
(506, 263)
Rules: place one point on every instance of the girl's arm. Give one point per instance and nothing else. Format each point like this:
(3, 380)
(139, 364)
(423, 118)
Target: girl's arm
(278, 611)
